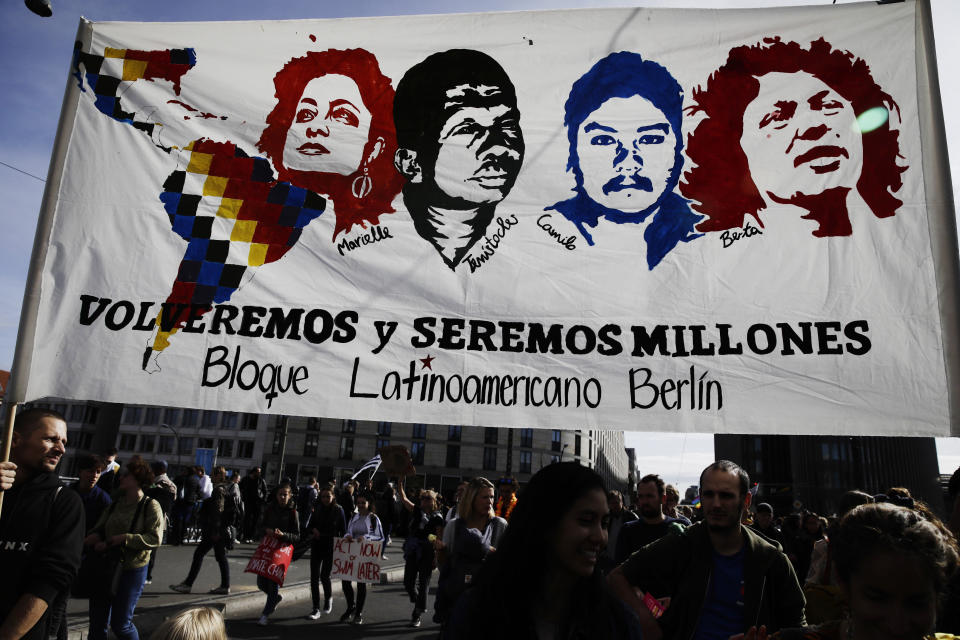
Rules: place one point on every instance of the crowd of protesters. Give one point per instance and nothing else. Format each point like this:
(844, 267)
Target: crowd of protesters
(560, 557)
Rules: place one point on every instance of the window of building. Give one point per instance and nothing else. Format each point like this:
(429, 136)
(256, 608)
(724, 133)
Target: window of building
(384, 428)
(147, 442)
(224, 448)
(346, 448)
(131, 415)
(453, 433)
(250, 421)
(186, 446)
(526, 461)
(419, 431)
(171, 416)
(313, 424)
(151, 416)
(77, 412)
(205, 443)
(229, 420)
(349, 426)
(526, 437)
(453, 455)
(84, 441)
(210, 418)
(189, 418)
(555, 440)
(277, 442)
(417, 452)
(165, 444)
(310, 444)
(490, 436)
(576, 445)
(128, 442)
(489, 458)
(244, 448)
(382, 443)
(554, 459)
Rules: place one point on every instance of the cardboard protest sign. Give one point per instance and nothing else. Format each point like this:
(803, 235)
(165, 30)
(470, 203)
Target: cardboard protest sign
(356, 560)
(689, 220)
(271, 559)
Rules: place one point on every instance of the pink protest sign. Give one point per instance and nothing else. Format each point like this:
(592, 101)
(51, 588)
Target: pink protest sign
(356, 560)
(271, 559)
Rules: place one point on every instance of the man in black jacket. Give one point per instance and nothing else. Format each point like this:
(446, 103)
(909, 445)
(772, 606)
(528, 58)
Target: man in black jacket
(721, 577)
(253, 491)
(41, 527)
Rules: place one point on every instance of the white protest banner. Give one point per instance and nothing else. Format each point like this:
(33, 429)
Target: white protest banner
(356, 560)
(689, 220)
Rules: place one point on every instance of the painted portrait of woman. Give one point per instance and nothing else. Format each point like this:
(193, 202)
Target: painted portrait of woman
(332, 132)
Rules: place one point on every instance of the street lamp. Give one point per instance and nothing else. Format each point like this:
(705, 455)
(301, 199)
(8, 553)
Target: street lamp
(176, 435)
(563, 449)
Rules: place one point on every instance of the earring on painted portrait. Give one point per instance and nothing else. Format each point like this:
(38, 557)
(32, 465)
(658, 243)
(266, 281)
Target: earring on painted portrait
(362, 185)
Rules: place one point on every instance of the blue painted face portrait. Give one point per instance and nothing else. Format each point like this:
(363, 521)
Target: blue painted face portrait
(624, 119)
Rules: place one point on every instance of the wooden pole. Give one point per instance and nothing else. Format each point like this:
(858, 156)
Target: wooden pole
(7, 439)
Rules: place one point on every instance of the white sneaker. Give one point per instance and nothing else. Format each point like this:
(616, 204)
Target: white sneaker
(263, 621)
(328, 606)
(314, 615)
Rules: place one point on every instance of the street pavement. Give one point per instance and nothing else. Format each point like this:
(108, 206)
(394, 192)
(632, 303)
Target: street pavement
(386, 613)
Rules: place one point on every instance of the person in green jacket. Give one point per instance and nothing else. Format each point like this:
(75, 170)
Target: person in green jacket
(717, 578)
(134, 524)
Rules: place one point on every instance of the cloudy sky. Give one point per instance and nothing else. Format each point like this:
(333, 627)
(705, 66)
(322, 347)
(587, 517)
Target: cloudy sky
(36, 53)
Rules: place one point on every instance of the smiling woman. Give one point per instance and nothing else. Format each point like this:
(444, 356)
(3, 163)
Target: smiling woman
(543, 579)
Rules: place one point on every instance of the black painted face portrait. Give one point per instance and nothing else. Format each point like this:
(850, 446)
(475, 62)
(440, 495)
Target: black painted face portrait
(458, 129)
(480, 146)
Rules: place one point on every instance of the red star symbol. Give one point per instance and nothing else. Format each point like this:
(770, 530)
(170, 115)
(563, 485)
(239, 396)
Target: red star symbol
(426, 363)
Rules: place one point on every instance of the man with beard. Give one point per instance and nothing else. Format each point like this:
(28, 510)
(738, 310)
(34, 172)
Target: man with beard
(460, 146)
(721, 578)
(623, 120)
(41, 527)
(652, 524)
(619, 516)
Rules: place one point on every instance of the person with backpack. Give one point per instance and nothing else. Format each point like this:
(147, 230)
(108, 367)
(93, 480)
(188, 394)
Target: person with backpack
(165, 493)
(133, 524)
(217, 517)
(307, 500)
(419, 556)
(326, 523)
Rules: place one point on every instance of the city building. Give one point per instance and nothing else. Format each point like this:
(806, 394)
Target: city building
(331, 449)
(811, 472)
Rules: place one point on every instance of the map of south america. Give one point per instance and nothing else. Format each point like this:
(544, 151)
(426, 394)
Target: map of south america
(227, 205)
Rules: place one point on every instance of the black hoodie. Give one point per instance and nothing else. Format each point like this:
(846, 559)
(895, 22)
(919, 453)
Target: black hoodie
(41, 538)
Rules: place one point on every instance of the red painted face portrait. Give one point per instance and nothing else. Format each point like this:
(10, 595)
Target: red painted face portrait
(332, 132)
(785, 124)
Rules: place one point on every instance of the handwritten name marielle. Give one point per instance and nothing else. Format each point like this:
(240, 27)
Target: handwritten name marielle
(375, 234)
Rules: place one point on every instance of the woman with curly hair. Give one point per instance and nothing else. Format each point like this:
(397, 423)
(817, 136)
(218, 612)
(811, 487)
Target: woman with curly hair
(133, 524)
(332, 132)
(892, 565)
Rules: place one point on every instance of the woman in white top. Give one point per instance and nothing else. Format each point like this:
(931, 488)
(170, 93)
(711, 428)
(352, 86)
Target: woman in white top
(364, 525)
(467, 540)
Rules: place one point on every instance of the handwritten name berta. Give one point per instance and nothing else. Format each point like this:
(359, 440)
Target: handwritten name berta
(730, 236)
(375, 234)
